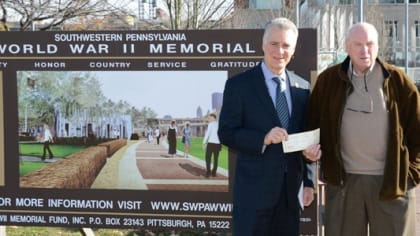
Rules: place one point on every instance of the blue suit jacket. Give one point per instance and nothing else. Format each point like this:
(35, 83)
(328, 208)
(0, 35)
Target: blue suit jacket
(247, 115)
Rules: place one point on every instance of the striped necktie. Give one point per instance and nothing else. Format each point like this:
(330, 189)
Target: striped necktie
(281, 104)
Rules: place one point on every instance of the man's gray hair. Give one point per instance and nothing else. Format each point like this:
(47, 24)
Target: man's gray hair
(281, 23)
(371, 28)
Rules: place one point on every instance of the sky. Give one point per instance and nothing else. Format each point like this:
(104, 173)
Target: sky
(174, 93)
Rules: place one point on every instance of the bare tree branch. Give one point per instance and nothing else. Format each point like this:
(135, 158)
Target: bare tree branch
(46, 14)
(198, 14)
(3, 18)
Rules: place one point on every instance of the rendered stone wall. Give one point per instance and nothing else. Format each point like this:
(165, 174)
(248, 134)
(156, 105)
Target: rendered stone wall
(113, 145)
(76, 171)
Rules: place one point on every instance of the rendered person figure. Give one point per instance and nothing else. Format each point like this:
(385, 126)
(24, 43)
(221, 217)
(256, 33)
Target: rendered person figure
(186, 132)
(157, 135)
(212, 145)
(47, 139)
(172, 133)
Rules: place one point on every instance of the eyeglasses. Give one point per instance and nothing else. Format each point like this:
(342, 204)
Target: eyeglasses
(363, 104)
(360, 100)
(367, 111)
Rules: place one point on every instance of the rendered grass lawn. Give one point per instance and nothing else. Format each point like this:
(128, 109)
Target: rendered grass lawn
(60, 151)
(36, 149)
(27, 167)
(197, 150)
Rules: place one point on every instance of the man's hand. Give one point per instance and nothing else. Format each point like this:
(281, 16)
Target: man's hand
(308, 196)
(313, 152)
(276, 135)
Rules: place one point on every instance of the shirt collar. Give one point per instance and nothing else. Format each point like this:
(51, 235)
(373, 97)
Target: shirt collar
(268, 75)
(354, 72)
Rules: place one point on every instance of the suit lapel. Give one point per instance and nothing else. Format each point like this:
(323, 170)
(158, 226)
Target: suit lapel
(261, 92)
(294, 86)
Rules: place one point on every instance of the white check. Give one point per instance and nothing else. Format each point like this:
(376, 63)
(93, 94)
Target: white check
(300, 141)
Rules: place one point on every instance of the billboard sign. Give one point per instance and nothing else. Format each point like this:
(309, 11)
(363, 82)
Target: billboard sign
(86, 126)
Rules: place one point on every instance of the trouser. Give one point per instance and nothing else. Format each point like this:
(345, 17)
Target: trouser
(355, 209)
(47, 148)
(212, 149)
(280, 220)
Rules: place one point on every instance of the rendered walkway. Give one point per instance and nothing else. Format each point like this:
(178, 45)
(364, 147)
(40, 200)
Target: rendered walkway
(147, 166)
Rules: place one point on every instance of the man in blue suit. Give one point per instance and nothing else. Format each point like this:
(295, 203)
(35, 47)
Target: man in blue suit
(267, 180)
